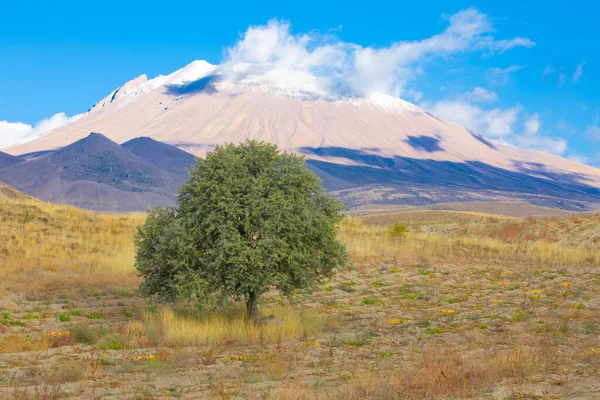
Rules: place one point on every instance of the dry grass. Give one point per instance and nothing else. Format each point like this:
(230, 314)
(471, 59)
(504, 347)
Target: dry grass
(474, 307)
(60, 247)
(370, 243)
(185, 327)
(20, 343)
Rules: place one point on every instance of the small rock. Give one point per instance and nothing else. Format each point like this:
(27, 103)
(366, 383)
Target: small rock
(8, 305)
(268, 320)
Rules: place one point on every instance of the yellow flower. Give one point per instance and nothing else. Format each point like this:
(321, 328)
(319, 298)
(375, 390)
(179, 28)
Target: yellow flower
(504, 283)
(507, 272)
(536, 291)
(394, 321)
(58, 334)
(309, 343)
(145, 357)
(566, 283)
(449, 311)
(593, 352)
(497, 301)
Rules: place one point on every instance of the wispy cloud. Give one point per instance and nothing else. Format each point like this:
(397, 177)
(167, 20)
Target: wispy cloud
(579, 158)
(557, 146)
(578, 72)
(501, 76)
(532, 125)
(548, 70)
(480, 95)
(507, 44)
(562, 78)
(593, 132)
(414, 94)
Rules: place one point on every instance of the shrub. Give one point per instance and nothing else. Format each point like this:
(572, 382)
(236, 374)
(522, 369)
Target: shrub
(398, 230)
(88, 334)
(371, 301)
(64, 317)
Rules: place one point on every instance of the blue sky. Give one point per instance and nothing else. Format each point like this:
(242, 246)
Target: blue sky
(528, 76)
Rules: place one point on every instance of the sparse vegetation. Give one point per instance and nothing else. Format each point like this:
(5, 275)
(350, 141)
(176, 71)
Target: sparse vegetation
(450, 311)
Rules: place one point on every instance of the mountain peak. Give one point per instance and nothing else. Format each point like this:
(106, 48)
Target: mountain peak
(194, 71)
(93, 140)
(173, 160)
(120, 92)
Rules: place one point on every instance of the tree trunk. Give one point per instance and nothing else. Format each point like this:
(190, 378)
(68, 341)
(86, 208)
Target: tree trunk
(252, 307)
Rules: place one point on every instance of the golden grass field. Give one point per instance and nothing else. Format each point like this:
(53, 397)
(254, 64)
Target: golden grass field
(467, 305)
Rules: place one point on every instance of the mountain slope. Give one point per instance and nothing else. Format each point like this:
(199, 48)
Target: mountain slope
(95, 173)
(10, 193)
(173, 160)
(375, 149)
(6, 160)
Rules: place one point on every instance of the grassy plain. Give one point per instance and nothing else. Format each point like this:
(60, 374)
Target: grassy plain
(467, 305)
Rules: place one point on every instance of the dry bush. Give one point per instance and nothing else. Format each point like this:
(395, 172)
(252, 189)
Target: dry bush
(19, 343)
(509, 230)
(65, 371)
(48, 392)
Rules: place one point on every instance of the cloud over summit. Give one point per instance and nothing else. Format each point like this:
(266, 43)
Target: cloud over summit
(323, 64)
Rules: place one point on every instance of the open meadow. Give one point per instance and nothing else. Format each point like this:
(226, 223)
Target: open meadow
(465, 305)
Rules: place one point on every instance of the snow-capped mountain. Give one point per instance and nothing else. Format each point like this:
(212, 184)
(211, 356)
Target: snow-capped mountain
(393, 150)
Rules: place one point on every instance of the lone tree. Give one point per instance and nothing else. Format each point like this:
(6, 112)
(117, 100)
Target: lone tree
(249, 219)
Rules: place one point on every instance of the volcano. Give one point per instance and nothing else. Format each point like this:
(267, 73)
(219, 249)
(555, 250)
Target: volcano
(373, 149)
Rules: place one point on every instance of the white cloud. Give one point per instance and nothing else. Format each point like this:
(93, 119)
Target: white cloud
(480, 95)
(18, 132)
(578, 72)
(556, 146)
(414, 94)
(501, 76)
(13, 132)
(494, 123)
(324, 65)
(504, 45)
(593, 132)
(499, 124)
(532, 125)
(562, 79)
(579, 158)
(549, 70)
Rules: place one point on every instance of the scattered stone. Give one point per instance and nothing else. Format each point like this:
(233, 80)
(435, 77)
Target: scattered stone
(8, 305)
(268, 320)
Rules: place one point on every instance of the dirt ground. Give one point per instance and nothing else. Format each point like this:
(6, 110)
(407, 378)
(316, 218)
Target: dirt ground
(404, 321)
(479, 330)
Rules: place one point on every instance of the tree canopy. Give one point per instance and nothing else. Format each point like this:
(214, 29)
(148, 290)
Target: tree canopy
(249, 219)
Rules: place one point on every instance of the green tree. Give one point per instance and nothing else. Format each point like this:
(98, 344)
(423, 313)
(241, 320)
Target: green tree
(249, 219)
